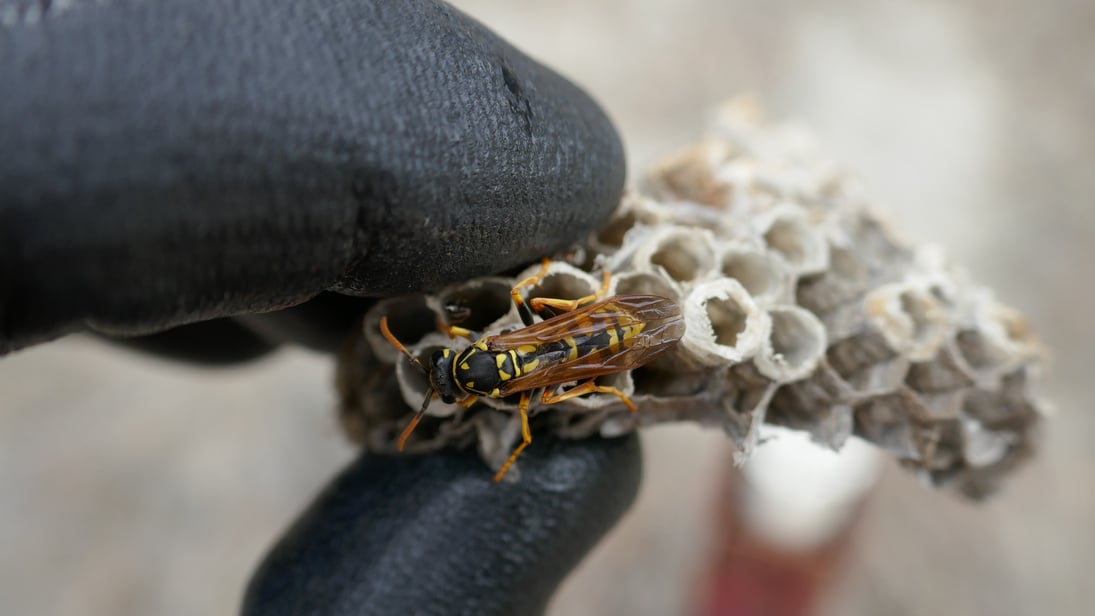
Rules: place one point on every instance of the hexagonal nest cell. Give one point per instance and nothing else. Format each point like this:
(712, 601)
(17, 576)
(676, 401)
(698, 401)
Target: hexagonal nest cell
(801, 307)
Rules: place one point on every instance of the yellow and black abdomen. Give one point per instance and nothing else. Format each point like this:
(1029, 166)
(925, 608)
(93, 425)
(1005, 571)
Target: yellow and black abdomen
(616, 334)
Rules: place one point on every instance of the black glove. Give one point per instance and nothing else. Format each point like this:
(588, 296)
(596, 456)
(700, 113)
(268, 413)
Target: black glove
(433, 535)
(163, 164)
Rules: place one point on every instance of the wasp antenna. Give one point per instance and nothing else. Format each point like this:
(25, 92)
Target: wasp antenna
(402, 442)
(387, 333)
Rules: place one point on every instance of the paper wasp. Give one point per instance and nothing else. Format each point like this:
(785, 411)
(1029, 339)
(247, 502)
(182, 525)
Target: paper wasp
(576, 342)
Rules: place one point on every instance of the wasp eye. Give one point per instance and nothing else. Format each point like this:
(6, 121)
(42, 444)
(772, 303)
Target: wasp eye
(448, 399)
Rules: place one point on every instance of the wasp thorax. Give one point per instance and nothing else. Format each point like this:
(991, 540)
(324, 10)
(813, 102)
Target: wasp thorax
(478, 372)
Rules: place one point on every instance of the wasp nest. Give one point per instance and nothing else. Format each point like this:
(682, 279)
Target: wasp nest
(802, 309)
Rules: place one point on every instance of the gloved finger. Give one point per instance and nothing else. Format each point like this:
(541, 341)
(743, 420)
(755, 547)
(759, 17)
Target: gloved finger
(214, 343)
(432, 535)
(175, 161)
(323, 323)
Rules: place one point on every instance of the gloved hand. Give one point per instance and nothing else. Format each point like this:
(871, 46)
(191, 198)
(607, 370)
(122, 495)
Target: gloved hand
(178, 170)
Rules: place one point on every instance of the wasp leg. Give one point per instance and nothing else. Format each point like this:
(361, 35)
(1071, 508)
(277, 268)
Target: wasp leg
(588, 387)
(452, 331)
(515, 292)
(467, 402)
(542, 304)
(526, 437)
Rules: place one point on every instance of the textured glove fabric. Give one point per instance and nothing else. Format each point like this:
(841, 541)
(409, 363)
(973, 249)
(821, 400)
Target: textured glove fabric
(432, 535)
(175, 161)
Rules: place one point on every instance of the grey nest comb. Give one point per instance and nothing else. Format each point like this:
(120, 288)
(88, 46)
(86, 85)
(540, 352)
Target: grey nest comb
(802, 309)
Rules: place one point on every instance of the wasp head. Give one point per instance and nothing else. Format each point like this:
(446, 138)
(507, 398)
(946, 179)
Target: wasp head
(441, 375)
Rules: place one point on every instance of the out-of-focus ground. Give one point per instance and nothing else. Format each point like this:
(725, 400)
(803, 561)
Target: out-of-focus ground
(135, 486)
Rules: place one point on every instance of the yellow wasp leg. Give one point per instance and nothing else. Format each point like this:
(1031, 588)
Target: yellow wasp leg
(453, 331)
(566, 305)
(526, 437)
(588, 387)
(467, 402)
(515, 292)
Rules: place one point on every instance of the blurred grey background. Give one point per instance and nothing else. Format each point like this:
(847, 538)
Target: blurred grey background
(137, 486)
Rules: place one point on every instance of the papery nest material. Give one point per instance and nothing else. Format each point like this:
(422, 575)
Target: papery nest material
(802, 308)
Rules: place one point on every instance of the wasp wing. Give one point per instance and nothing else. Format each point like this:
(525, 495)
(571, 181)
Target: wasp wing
(655, 322)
